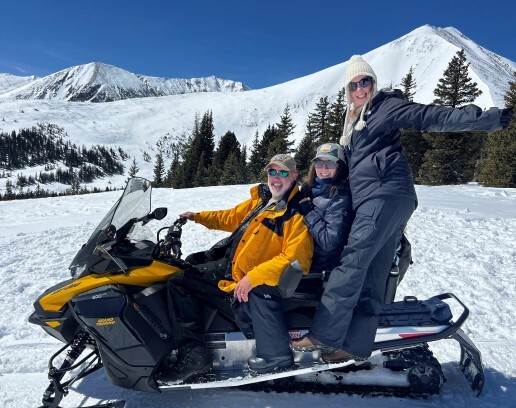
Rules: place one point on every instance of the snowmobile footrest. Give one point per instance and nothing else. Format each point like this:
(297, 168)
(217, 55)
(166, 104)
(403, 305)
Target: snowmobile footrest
(114, 404)
(470, 362)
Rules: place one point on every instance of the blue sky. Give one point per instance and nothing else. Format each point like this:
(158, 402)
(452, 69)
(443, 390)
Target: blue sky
(260, 43)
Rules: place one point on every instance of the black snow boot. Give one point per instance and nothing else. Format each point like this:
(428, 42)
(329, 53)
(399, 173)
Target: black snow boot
(192, 359)
(269, 365)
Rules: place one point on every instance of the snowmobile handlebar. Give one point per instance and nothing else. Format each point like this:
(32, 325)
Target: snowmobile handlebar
(170, 246)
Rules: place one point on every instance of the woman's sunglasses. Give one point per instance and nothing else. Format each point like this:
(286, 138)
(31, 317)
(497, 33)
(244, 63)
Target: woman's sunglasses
(319, 164)
(281, 173)
(363, 83)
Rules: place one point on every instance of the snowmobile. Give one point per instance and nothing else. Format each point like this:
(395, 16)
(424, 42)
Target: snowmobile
(112, 314)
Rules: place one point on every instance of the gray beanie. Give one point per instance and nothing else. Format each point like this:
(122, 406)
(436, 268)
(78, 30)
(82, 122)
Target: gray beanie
(356, 67)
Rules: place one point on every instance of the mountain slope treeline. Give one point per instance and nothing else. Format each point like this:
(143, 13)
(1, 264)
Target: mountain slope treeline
(61, 161)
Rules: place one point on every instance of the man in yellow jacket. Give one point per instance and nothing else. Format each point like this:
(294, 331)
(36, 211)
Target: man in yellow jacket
(268, 234)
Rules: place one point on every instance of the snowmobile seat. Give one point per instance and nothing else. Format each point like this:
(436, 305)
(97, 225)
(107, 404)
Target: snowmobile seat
(300, 304)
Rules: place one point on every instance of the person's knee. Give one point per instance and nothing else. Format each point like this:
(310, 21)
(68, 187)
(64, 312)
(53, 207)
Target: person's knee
(264, 292)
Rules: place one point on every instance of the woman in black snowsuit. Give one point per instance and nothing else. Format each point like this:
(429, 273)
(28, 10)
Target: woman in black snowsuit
(327, 206)
(384, 198)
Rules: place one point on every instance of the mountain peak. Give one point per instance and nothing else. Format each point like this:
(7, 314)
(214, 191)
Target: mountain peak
(101, 82)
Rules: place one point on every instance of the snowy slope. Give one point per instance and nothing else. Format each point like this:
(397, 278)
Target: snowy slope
(464, 241)
(9, 82)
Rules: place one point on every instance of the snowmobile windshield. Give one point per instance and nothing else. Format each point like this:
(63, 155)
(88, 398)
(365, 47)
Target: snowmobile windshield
(134, 203)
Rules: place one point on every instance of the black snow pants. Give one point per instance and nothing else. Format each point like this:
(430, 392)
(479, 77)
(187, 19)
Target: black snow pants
(262, 315)
(347, 316)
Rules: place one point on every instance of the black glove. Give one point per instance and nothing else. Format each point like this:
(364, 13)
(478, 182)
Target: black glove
(506, 117)
(305, 206)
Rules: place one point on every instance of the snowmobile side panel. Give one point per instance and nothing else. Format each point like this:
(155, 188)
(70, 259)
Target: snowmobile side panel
(55, 299)
(131, 339)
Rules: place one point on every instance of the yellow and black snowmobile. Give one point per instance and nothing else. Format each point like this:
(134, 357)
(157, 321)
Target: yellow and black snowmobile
(112, 313)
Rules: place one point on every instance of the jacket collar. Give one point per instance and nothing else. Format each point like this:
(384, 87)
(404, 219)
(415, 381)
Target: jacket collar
(386, 93)
(261, 191)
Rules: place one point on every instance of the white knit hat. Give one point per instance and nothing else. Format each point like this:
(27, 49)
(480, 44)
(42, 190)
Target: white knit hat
(356, 67)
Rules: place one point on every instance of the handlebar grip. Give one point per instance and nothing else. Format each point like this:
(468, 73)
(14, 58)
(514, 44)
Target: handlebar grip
(176, 250)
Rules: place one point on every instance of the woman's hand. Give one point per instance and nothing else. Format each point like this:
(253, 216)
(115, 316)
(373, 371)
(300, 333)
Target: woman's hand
(305, 205)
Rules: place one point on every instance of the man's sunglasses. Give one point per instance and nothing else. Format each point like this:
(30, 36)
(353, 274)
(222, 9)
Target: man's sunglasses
(363, 83)
(281, 173)
(319, 164)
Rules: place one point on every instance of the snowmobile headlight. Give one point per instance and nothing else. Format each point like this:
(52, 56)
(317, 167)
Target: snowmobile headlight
(77, 269)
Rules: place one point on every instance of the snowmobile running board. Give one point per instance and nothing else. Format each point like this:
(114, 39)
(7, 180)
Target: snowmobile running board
(236, 378)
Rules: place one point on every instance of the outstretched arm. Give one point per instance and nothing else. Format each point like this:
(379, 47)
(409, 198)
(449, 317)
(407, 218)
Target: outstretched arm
(434, 118)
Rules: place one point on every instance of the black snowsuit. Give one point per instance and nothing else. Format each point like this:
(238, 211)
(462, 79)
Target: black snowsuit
(384, 198)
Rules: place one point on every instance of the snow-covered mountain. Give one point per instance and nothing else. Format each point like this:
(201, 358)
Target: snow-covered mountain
(429, 50)
(137, 124)
(98, 82)
(9, 82)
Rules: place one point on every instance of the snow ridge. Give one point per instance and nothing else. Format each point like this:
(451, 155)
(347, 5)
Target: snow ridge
(99, 82)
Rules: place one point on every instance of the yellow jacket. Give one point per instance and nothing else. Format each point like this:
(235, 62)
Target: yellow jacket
(273, 239)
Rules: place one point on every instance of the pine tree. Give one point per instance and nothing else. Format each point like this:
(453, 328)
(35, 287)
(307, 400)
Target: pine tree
(159, 171)
(133, 170)
(510, 96)
(146, 157)
(320, 121)
(243, 165)
(285, 130)
(499, 166)
(9, 191)
(171, 177)
(75, 186)
(228, 145)
(336, 117)
(409, 84)
(414, 147)
(207, 138)
(232, 172)
(452, 158)
(305, 151)
(255, 161)
(201, 174)
(200, 144)
(266, 152)
(456, 88)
